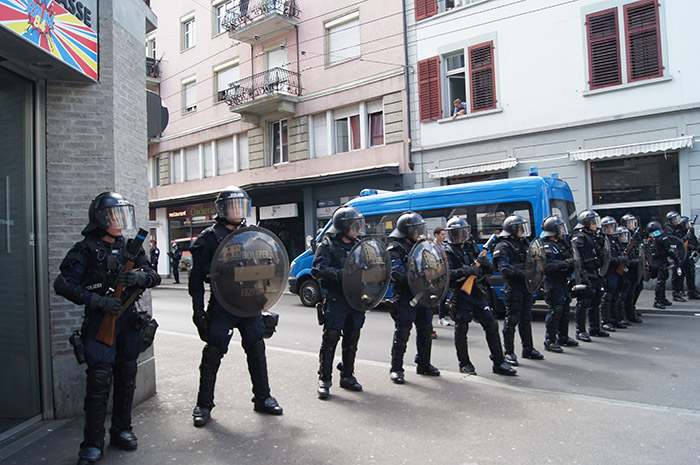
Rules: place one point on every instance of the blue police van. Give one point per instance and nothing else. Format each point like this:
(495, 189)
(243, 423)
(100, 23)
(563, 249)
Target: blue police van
(483, 204)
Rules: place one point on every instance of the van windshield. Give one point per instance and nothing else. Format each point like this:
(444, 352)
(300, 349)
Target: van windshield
(565, 210)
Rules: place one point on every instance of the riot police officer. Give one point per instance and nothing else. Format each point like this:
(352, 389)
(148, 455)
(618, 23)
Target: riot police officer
(613, 282)
(628, 278)
(661, 251)
(215, 325)
(673, 227)
(636, 259)
(591, 251)
(509, 256)
(560, 265)
(339, 318)
(462, 253)
(410, 228)
(693, 247)
(89, 272)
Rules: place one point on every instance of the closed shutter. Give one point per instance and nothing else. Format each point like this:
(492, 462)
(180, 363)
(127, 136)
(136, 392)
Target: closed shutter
(603, 49)
(429, 89)
(481, 77)
(643, 44)
(425, 8)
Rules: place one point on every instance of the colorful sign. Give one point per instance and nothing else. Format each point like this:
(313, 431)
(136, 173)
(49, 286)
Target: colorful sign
(48, 25)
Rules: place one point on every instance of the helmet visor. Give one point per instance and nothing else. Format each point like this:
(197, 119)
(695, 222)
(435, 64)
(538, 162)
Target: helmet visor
(631, 224)
(236, 208)
(355, 225)
(624, 236)
(120, 217)
(524, 227)
(674, 220)
(596, 221)
(417, 231)
(458, 235)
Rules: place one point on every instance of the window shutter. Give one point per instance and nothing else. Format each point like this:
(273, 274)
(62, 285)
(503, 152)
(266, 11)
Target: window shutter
(425, 8)
(603, 49)
(643, 44)
(429, 89)
(481, 75)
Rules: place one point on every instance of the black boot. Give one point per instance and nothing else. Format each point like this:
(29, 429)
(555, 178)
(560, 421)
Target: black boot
(424, 343)
(120, 433)
(347, 369)
(257, 367)
(465, 364)
(211, 360)
(493, 340)
(580, 315)
(509, 326)
(329, 342)
(398, 349)
(529, 350)
(99, 383)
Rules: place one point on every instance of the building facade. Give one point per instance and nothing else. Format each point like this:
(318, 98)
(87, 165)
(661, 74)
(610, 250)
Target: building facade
(73, 125)
(601, 92)
(299, 103)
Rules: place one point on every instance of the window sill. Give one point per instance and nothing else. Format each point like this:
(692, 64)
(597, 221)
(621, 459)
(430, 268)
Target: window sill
(471, 115)
(628, 85)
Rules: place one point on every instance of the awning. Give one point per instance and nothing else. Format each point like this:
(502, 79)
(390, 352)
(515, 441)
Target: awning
(474, 168)
(632, 149)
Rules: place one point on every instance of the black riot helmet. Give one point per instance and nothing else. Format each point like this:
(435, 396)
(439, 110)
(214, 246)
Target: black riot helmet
(410, 225)
(232, 205)
(673, 218)
(609, 225)
(346, 219)
(685, 223)
(109, 210)
(458, 230)
(553, 226)
(623, 233)
(629, 221)
(587, 218)
(654, 228)
(513, 224)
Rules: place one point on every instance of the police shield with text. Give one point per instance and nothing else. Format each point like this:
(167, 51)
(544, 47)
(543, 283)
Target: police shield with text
(215, 325)
(510, 256)
(687, 231)
(560, 263)
(676, 233)
(661, 252)
(407, 311)
(465, 261)
(637, 266)
(613, 283)
(90, 273)
(339, 318)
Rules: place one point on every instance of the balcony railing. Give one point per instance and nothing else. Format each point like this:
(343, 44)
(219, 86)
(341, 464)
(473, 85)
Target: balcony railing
(275, 80)
(248, 11)
(152, 67)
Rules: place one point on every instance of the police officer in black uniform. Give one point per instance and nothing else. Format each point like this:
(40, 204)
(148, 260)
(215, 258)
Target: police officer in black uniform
(410, 227)
(613, 282)
(215, 325)
(462, 253)
(557, 292)
(339, 318)
(629, 221)
(89, 272)
(154, 256)
(509, 256)
(175, 257)
(688, 267)
(590, 249)
(673, 228)
(661, 251)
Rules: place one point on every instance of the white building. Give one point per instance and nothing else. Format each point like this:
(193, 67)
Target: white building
(604, 93)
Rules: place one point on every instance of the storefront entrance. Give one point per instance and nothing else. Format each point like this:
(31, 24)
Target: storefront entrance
(20, 389)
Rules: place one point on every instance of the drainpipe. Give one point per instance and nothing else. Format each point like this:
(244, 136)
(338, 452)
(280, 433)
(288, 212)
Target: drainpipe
(296, 28)
(406, 69)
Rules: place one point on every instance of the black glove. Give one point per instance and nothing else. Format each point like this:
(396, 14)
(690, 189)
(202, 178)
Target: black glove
(398, 278)
(201, 321)
(104, 303)
(133, 278)
(472, 270)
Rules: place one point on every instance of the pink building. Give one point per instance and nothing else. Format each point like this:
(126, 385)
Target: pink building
(301, 103)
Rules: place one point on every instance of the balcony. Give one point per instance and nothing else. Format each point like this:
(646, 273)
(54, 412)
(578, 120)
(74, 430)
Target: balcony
(152, 69)
(252, 19)
(267, 96)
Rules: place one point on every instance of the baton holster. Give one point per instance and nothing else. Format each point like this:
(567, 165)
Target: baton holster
(321, 311)
(76, 340)
(271, 321)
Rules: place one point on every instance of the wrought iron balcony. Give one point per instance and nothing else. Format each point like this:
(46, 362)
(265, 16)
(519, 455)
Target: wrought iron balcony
(270, 94)
(152, 67)
(250, 20)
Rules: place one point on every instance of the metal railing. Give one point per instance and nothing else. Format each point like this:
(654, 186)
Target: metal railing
(247, 11)
(152, 67)
(275, 80)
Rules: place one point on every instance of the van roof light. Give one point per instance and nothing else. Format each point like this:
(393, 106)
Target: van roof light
(534, 171)
(368, 192)
(555, 175)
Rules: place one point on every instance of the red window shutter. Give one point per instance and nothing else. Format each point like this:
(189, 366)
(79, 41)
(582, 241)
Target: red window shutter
(429, 89)
(425, 8)
(643, 40)
(482, 81)
(603, 49)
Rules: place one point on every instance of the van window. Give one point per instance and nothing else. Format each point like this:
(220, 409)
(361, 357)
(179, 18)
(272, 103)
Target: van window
(380, 226)
(566, 211)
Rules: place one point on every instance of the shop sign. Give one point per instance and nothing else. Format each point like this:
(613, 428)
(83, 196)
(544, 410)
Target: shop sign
(326, 207)
(201, 210)
(287, 210)
(66, 29)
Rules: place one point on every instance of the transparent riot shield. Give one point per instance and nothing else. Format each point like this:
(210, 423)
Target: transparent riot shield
(577, 264)
(428, 273)
(606, 256)
(679, 246)
(366, 274)
(535, 263)
(249, 271)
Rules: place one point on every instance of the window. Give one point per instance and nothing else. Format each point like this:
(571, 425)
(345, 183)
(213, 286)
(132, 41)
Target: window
(642, 45)
(192, 163)
(189, 90)
(456, 77)
(225, 76)
(188, 33)
(224, 156)
(155, 171)
(151, 48)
(320, 134)
(221, 9)
(347, 134)
(425, 8)
(343, 39)
(376, 128)
(280, 147)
